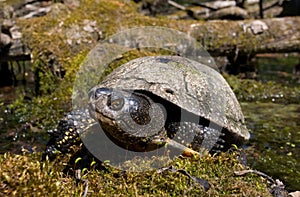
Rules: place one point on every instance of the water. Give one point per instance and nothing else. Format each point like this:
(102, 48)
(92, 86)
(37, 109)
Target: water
(274, 147)
(275, 144)
(15, 134)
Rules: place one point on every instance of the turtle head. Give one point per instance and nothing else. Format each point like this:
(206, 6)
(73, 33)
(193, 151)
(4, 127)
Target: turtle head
(130, 118)
(116, 104)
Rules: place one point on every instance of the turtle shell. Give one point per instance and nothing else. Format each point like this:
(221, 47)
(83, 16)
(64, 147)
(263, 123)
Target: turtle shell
(188, 84)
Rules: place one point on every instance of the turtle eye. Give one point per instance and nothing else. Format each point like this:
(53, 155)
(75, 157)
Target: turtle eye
(115, 102)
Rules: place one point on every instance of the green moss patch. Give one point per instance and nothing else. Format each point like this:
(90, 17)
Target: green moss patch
(271, 91)
(27, 175)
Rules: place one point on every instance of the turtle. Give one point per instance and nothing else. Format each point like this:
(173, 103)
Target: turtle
(157, 100)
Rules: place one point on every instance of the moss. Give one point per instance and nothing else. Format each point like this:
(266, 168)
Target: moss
(26, 175)
(47, 36)
(32, 119)
(271, 91)
(56, 61)
(239, 40)
(11, 2)
(44, 111)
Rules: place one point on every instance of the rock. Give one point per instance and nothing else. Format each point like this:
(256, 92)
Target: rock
(7, 24)
(31, 9)
(72, 3)
(4, 41)
(15, 32)
(37, 12)
(219, 4)
(232, 13)
(295, 194)
(256, 26)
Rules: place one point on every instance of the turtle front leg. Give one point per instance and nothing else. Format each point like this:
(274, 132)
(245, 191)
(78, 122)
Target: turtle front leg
(67, 133)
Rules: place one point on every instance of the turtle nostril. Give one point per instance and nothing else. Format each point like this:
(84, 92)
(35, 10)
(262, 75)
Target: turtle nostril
(169, 91)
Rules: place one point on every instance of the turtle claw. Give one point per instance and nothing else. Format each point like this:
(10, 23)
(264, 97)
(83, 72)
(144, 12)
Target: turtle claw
(50, 153)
